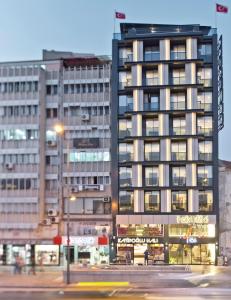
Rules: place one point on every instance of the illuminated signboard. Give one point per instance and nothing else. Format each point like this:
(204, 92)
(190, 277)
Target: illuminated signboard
(137, 240)
(192, 240)
(198, 219)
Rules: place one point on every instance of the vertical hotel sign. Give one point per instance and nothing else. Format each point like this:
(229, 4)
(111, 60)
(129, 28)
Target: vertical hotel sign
(198, 219)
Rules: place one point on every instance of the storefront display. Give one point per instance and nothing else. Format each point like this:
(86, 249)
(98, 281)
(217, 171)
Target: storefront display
(12, 251)
(46, 254)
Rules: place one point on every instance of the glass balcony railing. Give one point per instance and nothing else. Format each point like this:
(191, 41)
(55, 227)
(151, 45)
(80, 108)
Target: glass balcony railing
(151, 106)
(152, 156)
(204, 106)
(178, 130)
(177, 80)
(124, 84)
(125, 133)
(204, 181)
(205, 156)
(152, 56)
(123, 157)
(152, 131)
(178, 156)
(123, 60)
(174, 55)
(152, 81)
(123, 109)
(205, 82)
(154, 181)
(125, 182)
(177, 105)
(205, 131)
(179, 181)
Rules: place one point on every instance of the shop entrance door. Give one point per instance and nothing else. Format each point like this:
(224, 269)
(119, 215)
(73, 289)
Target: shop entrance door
(139, 253)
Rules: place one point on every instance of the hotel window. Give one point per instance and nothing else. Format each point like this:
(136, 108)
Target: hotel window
(125, 103)
(179, 126)
(204, 76)
(152, 127)
(177, 76)
(125, 175)
(204, 175)
(178, 151)
(205, 150)
(125, 79)
(152, 77)
(205, 201)
(152, 151)
(179, 201)
(125, 152)
(177, 101)
(151, 53)
(126, 201)
(204, 100)
(151, 176)
(178, 52)
(179, 176)
(125, 55)
(152, 201)
(125, 128)
(151, 102)
(205, 126)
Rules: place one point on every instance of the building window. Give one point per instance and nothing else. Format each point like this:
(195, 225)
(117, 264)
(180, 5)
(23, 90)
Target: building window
(205, 150)
(152, 77)
(152, 201)
(177, 76)
(152, 127)
(204, 175)
(205, 201)
(126, 201)
(152, 151)
(125, 55)
(125, 175)
(204, 76)
(204, 101)
(178, 176)
(151, 176)
(177, 52)
(179, 201)
(125, 152)
(151, 102)
(151, 53)
(178, 151)
(205, 51)
(179, 126)
(177, 101)
(125, 128)
(205, 126)
(125, 79)
(125, 103)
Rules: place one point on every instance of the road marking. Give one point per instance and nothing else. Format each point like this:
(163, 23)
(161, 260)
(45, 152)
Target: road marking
(103, 284)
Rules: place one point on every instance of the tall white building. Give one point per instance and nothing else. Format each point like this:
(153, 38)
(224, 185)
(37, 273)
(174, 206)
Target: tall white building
(40, 169)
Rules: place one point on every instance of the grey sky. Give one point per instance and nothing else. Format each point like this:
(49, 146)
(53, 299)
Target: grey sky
(28, 26)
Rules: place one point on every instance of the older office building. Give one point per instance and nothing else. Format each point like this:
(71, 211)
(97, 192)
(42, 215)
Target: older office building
(54, 144)
(166, 112)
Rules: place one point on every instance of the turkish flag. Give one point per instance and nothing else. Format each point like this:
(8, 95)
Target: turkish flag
(120, 15)
(221, 8)
(102, 240)
(57, 240)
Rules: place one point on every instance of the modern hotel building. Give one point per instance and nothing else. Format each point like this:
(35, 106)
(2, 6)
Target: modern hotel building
(167, 110)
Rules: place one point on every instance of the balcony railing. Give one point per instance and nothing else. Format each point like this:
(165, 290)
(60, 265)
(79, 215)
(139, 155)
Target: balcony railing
(125, 182)
(205, 156)
(152, 81)
(179, 130)
(125, 157)
(125, 133)
(123, 60)
(179, 181)
(152, 56)
(152, 131)
(174, 55)
(205, 131)
(177, 80)
(152, 156)
(151, 106)
(154, 181)
(178, 156)
(205, 106)
(124, 84)
(177, 105)
(204, 181)
(123, 109)
(205, 82)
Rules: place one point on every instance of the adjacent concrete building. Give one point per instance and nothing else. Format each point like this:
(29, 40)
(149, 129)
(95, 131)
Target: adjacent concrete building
(54, 143)
(166, 112)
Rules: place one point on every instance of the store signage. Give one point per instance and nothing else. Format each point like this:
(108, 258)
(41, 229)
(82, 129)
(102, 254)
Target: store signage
(192, 240)
(86, 143)
(198, 219)
(137, 240)
(81, 240)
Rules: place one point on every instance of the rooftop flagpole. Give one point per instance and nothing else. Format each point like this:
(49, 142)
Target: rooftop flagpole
(114, 20)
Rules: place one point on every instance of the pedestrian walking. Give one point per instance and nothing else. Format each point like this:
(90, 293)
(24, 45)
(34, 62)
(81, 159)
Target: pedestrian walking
(146, 253)
(128, 257)
(17, 265)
(21, 264)
(32, 268)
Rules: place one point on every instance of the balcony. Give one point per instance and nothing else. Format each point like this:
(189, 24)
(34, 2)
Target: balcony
(125, 182)
(179, 181)
(205, 82)
(153, 181)
(124, 84)
(174, 55)
(127, 108)
(204, 106)
(125, 133)
(205, 131)
(177, 80)
(152, 131)
(123, 157)
(205, 156)
(204, 181)
(152, 56)
(177, 105)
(152, 156)
(178, 156)
(152, 81)
(178, 131)
(151, 106)
(123, 60)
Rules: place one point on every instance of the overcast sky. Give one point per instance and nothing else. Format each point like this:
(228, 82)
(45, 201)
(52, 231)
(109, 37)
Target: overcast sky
(28, 26)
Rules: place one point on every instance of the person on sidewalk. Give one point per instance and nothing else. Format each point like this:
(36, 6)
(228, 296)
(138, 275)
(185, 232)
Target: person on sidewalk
(32, 268)
(17, 265)
(146, 253)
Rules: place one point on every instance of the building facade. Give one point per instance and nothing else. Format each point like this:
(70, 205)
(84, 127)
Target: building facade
(165, 121)
(42, 167)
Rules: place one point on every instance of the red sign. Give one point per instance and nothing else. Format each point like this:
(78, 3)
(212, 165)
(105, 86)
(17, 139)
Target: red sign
(102, 240)
(57, 240)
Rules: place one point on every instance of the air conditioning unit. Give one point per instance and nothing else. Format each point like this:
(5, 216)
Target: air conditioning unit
(52, 212)
(9, 166)
(85, 117)
(46, 222)
(107, 199)
(51, 143)
(101, 187)
(54, 220)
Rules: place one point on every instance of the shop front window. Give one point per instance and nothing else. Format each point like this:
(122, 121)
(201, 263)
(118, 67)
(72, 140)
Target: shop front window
(196, 230)
(46, 254)
(154, 230)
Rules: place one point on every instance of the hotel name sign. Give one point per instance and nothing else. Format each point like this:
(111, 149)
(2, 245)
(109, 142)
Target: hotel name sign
(197, 219)
(137, 240)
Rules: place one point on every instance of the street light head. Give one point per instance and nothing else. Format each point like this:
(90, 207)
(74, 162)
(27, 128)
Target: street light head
(59, 128)
(72, 198)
